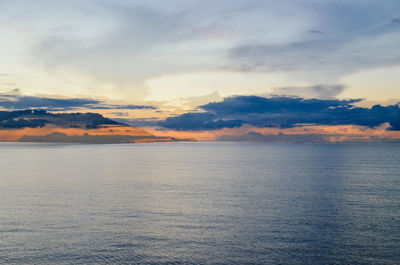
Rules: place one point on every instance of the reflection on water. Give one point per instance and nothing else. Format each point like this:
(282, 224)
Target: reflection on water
(200, 203)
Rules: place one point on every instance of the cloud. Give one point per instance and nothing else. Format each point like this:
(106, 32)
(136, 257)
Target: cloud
(336, 56)
(39, 118)
(396, 20)
(200, 100)
(317, 91)
(14, 100)
(115, 47)
(261, 105)
(355, 37)
(124, 43)
(113, 106)
(283, 112)
(139, 122)
(199, 121)
(315, 32)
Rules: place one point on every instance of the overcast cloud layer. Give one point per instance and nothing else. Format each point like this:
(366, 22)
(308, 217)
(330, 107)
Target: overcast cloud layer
(117, 48)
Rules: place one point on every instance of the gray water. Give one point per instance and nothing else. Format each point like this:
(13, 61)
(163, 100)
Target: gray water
(199, 203)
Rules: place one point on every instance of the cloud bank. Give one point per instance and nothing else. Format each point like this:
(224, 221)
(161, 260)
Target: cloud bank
(15, 101)
(283, 112)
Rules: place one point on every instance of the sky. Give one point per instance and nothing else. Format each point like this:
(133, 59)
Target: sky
(153, 63)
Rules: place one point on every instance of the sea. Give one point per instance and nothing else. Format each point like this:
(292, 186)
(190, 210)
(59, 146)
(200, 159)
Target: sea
(200, 203)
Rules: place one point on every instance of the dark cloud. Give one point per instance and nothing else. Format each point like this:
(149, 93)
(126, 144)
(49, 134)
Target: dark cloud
(262, 105)
(39, 118)
(28, 102)
(199, 121)
(120, 114)
(283, 112)
(15, 101)
(315, 32)
(396, 20)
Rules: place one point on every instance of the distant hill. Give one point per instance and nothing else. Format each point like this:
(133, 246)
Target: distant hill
(43, 126)
(305, 138)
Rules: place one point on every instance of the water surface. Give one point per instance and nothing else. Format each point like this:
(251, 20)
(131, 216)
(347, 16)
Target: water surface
(199, 203)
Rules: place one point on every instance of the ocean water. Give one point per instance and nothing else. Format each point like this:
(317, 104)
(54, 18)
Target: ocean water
(199, 203)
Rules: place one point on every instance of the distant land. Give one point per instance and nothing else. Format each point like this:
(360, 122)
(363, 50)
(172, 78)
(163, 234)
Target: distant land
(43, 126)
(305, 138)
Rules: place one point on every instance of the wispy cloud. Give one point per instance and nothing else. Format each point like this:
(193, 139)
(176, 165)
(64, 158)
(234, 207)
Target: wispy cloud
(102, 105)
(315, 32)
(350, 37)
(14, 100)
(396, 20)
(317, 91)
